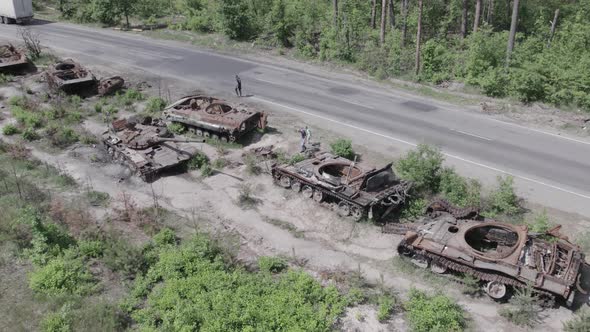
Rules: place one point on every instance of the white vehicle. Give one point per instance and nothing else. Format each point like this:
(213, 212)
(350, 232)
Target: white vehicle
(16, 11)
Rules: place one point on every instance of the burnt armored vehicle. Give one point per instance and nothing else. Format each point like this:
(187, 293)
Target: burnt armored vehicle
(11, 58)
(146, 147)
(69, 77)
(211, 117)
(501, 256)
(347, 187)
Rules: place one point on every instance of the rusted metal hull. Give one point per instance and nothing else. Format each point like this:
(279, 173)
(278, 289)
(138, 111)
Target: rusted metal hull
(210, 117)
(110, 85)
(12, 59)
(499, 253)
(70, 77)
(348, 188)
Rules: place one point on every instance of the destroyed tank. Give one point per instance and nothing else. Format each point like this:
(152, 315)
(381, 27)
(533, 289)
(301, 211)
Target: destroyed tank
(11, 58)
(501, 256)
(346, 186)
(69, 77)
(210, 117)
(146, 147)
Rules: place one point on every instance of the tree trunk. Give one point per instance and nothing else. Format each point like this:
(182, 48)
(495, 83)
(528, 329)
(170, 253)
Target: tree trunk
(405, 21)
(464, 20)
(373, 14)
(391, 15)
(335, 12)
(553, 25)
(512, 32)
(477, 15)
(418, 36)
(490, 12)
(383, 20)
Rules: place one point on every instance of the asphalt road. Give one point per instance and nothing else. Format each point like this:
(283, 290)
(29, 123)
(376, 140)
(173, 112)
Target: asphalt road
(551, 164)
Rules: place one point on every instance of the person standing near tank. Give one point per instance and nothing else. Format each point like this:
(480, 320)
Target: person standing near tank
(238, 86)
(307, 135)
(303, 135)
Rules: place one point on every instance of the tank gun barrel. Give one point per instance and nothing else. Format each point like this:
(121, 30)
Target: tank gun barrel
(178, 140)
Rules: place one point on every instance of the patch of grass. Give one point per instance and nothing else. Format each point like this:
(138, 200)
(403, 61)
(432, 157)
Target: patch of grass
(296, 158)
(251, 162)
(10, 130)
(523, 308)
(155, 105)
(129, 97)
(272, 264)
(98, 198)
(580, 322)
(62, 275)
(422, 166)
(198, 161)
(503, 200)
(60, 321)
(91, 248)
(413, 208)
(404, 265)
(5, 78)
(30, 134)
(45, 59)
(471, 286)
(433, 312)
(246, 199)
(206, 170)
(219, 163)
(386, 304)
(286, 226)
(63, 136)
(343, 148)
(176, 128)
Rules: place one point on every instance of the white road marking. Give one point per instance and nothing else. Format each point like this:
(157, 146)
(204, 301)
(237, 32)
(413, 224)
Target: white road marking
(470, 134)
(414, 145)
(541, 131)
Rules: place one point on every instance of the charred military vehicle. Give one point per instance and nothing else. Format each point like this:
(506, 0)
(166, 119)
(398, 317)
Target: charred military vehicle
(501, 256)
(211, 117)
(69, 77)
(146, 147)
(11, 58)
(350, 189)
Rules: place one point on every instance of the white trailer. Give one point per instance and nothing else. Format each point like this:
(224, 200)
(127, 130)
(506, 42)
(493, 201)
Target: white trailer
(16, 11)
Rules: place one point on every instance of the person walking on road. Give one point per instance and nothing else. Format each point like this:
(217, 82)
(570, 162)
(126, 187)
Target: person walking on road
(238, 86)
(303, 135)
(307, 135)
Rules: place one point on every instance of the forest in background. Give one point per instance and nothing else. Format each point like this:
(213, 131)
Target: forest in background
(459, 40)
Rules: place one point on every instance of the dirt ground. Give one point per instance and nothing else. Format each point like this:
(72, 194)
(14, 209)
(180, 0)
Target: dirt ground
(283, 223)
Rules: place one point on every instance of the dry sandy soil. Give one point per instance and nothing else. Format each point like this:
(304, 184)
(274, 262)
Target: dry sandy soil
(283, 223)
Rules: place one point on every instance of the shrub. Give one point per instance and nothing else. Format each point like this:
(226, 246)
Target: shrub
(413, 208)
(176, 128)
(541, 223)
(5, 78)
(206, 170)
(219, 163)
(580, 322)
(503, 199)
(155, 104)
(523, 308)
(10, 130)
(422, 166)
(165, 237)
(471, 285)
(129, 97)
(272, 264)
(197, 161)
(92, 249)
(459, 190)
(98, 198)
(62, 275)
(30, 134)
(64, 136)
(296, 158)
(57, 321)
(433, 313)
(251, 162)
(121, 255)
(245, 197)
(343, 148)
(385, 308)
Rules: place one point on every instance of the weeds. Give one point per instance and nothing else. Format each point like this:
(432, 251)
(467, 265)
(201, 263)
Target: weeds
(523, 308)
(433, 312)
(246, 200)
(219, 163)
(385, 310)
(272, 264)
(98, 198)
(155, 105)
(296, 158)
(343, 148)
(176, 128)
(10, 130)
(580, 322)
(251, 162)
(286, 226)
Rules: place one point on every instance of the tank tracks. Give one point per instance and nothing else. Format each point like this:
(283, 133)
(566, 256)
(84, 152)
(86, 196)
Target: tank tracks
(441, 205)
(547, 299)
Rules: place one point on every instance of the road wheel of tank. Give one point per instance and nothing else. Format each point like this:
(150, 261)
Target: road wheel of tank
(420, 261)
(307, 191)
(215, 137)
(224, 139)
(206, 134)
(192, 130)
(285, 181)
(199, 132)
(343, 209)
(438, 268)
(496, 290)
(296, 186)
(357, 213)
(318, 196)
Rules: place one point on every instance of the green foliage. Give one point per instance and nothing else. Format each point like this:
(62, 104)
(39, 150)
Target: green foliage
(206, 170)
(10, 130)
(236, 22)
(272, 264)
(523, 308)
(471, 285)
(26, 117)
(583, 240)
(437, 62)
(219, 163)
(580, 322)
(422, 166)
(57, 321)
(459, 190)
(385, 307)
(5, 78)
(503, 199)
(196, 290)
(541, 223)
(413, 208)
(165, 237)
(433, 313)
(176, 128)
(155, 104)
(129, 97)
(251, 162)
(97, 198)
(246, 197)
(198, 161)
(343, 148)
(90, 248)
(296, 158)
(62, 275)
(122, 256)
(63, 136)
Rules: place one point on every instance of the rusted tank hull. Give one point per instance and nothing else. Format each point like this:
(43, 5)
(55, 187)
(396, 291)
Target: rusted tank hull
(70, 77)
(347, 188)
(210, 117)
(501, 255)
(12, 59)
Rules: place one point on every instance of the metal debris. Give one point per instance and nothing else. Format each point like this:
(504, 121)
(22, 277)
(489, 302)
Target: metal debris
(212, 118)
(501, 256)
(108, 86)
(146, 146)
(69, 77)
(11, 58)
(346, 186)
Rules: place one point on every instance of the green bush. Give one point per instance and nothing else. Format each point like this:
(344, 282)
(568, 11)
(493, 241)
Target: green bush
(165, 237)
(343, 148)
(155, 104)
(206, 170)
(523, 308)
(122, 256)
(197, 161)
(296, 158)
(63, 137)
(503, 199)
(10, 130)
(436, 313)
(541, 223)
(93, 249)
(422, 166)
(580, 322)
(129, 97)
(27, 118)
(5, 78)
(57, 321)
(98, 198)
(413, 208)
(176, 128)
(30, 134)
(385, 307)
(459, 190)
(62, 275)
(272, 264)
